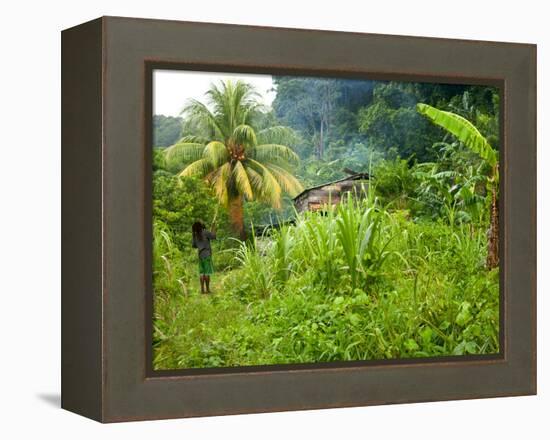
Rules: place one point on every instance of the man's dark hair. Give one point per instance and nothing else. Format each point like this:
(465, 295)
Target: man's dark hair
(197, 229)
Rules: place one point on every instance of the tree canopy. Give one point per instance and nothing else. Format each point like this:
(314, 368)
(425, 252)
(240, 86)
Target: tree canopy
(166, 130)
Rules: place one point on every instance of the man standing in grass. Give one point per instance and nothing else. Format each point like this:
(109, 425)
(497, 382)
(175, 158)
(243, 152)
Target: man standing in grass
(201, 241)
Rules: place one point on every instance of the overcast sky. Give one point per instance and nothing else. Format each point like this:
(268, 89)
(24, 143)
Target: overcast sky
(172, 88)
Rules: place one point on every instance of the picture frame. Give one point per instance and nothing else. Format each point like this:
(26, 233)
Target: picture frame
(107, 68)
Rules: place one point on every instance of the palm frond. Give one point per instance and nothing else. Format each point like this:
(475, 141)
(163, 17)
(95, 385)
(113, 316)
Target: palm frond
(271, 189)
(244, 135)
(183, 152)
(216, 152)
(199, 112)
(256, 183)
(275, 153)
(193, 139)
(251, 111)
(241, 180)
(199, 168)
(262, 192)
(232, 102)
(289, 184)
(219, 181)
(278, 135)
(243, 95)
(218, 99)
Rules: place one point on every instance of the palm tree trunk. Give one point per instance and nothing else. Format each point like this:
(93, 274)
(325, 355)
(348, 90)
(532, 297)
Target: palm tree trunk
(236, 216)
(493, 235)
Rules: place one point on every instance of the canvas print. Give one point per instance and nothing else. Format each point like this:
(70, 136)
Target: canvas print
(301, 220)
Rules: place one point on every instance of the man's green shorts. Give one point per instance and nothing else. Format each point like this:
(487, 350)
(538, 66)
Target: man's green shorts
(205, 266)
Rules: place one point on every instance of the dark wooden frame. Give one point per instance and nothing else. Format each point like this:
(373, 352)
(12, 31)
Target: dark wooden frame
(106, 221)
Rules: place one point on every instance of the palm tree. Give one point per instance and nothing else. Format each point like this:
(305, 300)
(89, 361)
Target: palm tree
(225, 149)
(470, 136)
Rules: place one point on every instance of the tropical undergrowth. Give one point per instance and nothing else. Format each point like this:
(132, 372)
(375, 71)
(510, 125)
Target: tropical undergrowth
(359, 281)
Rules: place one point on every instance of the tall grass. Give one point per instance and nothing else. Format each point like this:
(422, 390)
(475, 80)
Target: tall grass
(169, 274)
(257, 279)
(363, 235)
(317, 247)
(354, 282)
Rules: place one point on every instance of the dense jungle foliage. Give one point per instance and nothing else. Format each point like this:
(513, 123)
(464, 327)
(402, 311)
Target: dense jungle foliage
(403, 272)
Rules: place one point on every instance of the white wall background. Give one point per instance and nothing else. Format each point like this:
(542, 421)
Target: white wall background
(30, 219)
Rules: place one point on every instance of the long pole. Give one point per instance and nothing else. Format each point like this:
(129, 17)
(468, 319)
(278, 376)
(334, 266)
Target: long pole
(215, 216)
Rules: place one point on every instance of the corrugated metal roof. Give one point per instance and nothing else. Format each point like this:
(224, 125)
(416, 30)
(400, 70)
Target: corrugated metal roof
(357, 176)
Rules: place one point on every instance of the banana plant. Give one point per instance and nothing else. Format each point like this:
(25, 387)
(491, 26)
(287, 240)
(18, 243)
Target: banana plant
(469, 135)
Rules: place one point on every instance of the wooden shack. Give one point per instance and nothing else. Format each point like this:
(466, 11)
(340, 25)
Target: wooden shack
(314, 198)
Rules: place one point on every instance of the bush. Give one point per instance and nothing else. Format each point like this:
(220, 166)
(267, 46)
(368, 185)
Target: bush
(395, 184)
(179, 202)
